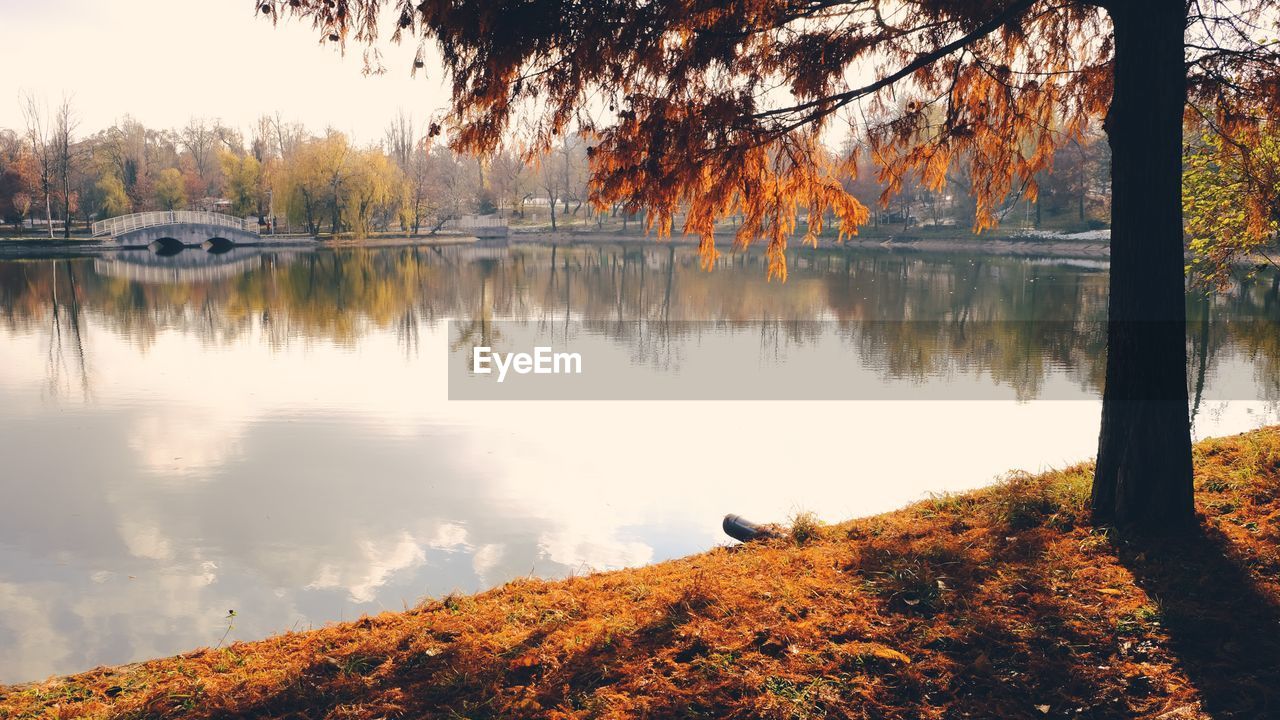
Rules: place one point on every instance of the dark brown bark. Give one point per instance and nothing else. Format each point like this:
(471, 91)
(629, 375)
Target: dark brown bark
(1143, 477)
(66, 207)
(1084, 183)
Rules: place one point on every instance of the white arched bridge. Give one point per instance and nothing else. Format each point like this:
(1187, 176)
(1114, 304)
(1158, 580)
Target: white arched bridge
(175, 229)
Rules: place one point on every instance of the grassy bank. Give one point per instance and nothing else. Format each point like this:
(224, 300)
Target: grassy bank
(1002, 603)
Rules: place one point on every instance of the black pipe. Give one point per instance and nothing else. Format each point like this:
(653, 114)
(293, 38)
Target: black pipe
(743, 530)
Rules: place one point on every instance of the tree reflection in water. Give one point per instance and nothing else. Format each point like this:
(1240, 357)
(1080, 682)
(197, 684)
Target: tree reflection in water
(911, 316)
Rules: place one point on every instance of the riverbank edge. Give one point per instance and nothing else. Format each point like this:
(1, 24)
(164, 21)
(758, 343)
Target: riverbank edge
(934, 610)
(1047, 246)
(1006, 246)
(57, 249)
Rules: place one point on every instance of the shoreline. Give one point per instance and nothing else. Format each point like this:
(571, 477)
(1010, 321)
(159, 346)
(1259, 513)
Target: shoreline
(44, 249)
(991, 603)
(1012, 247)
(1024, 246)
(59, 248)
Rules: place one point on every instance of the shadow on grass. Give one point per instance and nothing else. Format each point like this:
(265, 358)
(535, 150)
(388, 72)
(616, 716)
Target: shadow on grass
(1004, 634)
(1225, 632)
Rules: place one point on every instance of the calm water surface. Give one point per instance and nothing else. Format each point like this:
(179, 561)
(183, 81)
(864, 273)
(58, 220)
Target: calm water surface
(269, 432)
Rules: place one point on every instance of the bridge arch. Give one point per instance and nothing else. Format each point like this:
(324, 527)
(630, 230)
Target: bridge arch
(165, 246)
(217, 245)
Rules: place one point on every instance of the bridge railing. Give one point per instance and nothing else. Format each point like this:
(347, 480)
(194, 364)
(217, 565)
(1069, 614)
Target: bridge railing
(125, 223)
(468, 222)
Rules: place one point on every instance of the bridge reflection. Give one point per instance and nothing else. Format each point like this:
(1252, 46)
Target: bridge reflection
(184, 267)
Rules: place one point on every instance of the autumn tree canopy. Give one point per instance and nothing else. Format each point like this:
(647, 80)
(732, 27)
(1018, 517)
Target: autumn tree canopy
(720, 107)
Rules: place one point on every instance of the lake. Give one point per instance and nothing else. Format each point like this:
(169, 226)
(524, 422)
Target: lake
(269, 432)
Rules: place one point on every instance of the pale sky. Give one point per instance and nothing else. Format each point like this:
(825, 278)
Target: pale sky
(165, 62)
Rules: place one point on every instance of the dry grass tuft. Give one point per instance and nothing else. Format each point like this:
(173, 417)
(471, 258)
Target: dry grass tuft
(805, 527)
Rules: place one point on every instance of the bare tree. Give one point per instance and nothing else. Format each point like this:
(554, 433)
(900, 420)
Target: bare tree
(577, 173)
(288, 136)
(552, 180)
(260, 144)
(401, 140)
(231, 139)
(199, 138)
(510, 180)
(562, 173)
(448, 182)
(410, 155)
(65, 156)
(418, 179)
(553, 176)
(40, 137)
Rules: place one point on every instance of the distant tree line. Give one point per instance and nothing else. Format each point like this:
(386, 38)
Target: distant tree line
(410, 181)
(310, 182)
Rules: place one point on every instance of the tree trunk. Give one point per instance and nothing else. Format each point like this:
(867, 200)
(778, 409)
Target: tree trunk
(1084, 161)
(66, 211)
(1143, 479)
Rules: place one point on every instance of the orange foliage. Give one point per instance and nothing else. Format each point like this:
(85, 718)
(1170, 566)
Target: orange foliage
(718, 108)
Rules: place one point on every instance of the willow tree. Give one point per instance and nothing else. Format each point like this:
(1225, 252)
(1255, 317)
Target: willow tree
(718, 107)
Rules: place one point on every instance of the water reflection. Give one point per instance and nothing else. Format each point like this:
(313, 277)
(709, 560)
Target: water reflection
(144, 266)
(181, 439)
